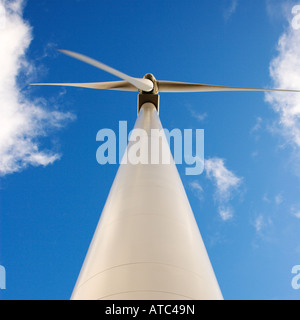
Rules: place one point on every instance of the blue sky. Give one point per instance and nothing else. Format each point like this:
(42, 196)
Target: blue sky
(52, 190)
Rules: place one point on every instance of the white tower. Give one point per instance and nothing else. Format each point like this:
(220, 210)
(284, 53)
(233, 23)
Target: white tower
(147, 244)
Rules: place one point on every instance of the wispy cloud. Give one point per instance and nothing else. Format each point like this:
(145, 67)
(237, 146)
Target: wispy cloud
(225, 181)
(278, 199)
(259, 223)
(23, 121)
(263, 226)
(295, 211)
(197, 115)
(266, 198)
(196, 189)
(278, 10)
(257, 125)
(297, 214)
(230, 9)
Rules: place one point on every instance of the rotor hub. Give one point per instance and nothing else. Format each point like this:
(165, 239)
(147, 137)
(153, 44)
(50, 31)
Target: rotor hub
(151, 77)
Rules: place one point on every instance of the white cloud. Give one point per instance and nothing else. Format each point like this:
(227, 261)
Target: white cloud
(278, 199)
(226, 183)
(23, 121)
(226, 213)
(259, 223)
(285, 73)
(225, 180)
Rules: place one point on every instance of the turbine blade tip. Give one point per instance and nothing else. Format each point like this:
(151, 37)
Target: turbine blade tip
(62, 50)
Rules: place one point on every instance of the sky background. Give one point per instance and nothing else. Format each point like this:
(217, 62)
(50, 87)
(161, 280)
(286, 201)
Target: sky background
(52, 190)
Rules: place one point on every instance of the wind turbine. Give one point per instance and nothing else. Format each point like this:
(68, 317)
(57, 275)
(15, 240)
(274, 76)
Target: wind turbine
(147, 245)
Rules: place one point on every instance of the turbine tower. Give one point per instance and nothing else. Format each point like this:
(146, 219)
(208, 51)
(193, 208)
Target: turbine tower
(147, 245)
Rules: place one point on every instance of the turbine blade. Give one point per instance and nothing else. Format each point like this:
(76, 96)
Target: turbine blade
(174, 86)
(112, 85)
(141, 84)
